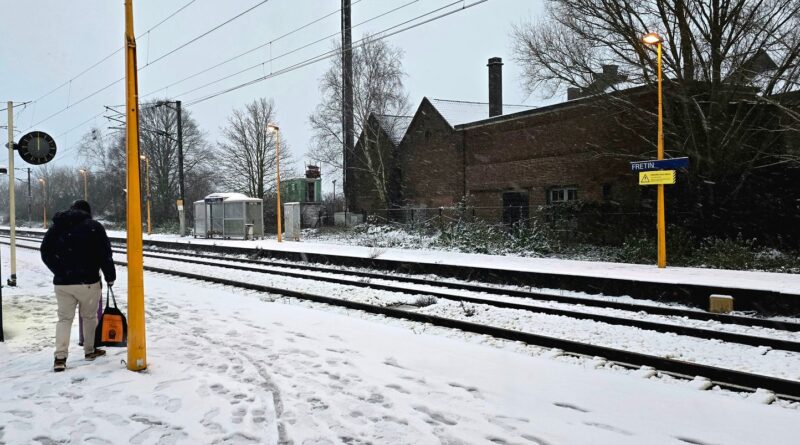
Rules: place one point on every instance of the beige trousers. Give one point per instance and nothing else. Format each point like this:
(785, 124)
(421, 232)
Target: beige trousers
(86, 296)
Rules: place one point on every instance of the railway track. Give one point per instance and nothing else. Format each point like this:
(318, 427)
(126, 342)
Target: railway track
(726, 378)
(763, 302)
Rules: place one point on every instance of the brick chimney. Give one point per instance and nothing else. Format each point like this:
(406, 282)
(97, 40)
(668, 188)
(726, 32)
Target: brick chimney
(495, 86)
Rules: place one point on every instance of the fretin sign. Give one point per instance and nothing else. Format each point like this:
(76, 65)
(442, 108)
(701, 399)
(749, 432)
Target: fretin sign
(664, 164)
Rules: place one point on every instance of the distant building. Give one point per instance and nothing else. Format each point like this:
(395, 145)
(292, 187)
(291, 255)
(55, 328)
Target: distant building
(308, 192)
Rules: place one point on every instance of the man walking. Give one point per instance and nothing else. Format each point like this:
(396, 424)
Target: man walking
(75, 249)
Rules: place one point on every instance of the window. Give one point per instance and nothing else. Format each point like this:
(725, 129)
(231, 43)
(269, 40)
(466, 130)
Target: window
(310, 192)
(562, 194)
(515, 207)
(607, 195)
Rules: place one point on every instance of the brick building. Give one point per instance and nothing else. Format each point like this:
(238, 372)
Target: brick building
(510, 158)
(507, 158)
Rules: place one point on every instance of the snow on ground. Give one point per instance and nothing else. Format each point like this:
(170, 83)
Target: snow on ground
(227, 366)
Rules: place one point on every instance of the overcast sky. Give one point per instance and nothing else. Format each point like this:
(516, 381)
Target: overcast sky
(47, 43)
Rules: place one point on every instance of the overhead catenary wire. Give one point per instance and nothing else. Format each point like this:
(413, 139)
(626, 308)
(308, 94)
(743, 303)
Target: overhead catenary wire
(233, 58)
(276, 39)
(381, 35)
(99, 62)
(329, 54)
(185, 44)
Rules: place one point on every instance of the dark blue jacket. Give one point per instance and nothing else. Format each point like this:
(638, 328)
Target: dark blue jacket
(75, 248)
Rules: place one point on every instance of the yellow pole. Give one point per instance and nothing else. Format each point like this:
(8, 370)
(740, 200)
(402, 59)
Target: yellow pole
(44, 203)
(85, 189)
(137, 347)
(147, 180)
(661, 223)
(278, 155)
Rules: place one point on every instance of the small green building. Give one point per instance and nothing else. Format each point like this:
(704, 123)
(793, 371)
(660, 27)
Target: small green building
(302, 190)
(308, 192)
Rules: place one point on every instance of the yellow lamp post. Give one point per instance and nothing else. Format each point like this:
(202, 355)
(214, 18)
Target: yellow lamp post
(654, 39)
(84, 172)
(272, 128)
(147, 190)
(44, 202)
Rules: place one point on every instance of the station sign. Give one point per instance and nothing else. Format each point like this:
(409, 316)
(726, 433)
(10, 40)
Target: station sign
(664, 164)
(214, 200)
(657, 177)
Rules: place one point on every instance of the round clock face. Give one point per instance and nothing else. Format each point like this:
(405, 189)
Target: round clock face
(37, 148)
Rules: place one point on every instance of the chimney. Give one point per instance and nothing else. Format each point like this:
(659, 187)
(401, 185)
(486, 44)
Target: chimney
(495, 86)
(573, 93)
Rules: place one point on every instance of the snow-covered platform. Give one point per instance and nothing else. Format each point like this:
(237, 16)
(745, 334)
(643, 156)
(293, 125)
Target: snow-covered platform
(229, 366)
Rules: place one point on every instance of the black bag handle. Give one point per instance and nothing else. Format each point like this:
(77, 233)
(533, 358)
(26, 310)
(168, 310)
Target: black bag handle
(110, 293)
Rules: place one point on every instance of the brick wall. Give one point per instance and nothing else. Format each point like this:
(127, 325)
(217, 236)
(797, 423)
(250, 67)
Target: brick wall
(431, 161)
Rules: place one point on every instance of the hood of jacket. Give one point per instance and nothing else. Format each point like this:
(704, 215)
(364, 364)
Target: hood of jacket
(69, 218)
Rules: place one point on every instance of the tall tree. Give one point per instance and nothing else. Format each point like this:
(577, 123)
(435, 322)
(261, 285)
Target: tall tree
(158, 141)
(732, 72)
(377, 89)
(248, 156)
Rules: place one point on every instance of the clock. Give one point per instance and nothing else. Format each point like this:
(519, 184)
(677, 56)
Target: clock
(37, 148)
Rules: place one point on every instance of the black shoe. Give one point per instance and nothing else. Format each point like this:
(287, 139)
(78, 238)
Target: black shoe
(60, 365)
(93, 355)
(80, 343)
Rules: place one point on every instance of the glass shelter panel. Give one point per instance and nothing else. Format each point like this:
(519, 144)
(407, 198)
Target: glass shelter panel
(199, 219)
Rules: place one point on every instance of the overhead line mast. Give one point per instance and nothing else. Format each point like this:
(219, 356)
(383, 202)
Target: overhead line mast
(347, 97)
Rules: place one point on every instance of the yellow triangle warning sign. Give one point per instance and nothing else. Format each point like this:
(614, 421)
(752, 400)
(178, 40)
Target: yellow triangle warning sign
(644, 179)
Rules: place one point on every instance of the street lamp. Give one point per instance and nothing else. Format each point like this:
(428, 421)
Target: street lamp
(84, 172)
(147, 179)
(272, 128)
(654, 39)
(44, 204)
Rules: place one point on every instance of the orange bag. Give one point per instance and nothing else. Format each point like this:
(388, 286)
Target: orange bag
(112, 328)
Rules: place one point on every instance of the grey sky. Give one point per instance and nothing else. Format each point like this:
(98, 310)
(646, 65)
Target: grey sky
(46, 43)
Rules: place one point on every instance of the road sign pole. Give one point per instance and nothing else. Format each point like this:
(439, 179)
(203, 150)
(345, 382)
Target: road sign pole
(137, 345)
(12, 214)
(660, 224)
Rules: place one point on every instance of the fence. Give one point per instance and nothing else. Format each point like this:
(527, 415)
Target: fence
(596, 224)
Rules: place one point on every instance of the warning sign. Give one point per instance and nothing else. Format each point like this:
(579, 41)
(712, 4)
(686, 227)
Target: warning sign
(657, 177)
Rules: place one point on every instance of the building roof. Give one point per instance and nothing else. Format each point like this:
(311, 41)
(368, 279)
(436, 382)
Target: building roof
(394, 126)
(230, 197)
(457, 112)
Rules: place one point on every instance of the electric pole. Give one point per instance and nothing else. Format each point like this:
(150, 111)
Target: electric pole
(181, 202)
(30, 198)
(347, 97)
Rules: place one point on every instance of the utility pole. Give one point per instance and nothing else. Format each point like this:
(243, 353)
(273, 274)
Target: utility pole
(347, 97)
(181, 202)
(30, 197)
(137, 345)
(12, 220)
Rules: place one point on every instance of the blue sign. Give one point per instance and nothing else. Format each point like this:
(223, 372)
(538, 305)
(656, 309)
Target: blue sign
(214, 200)
(664, 164)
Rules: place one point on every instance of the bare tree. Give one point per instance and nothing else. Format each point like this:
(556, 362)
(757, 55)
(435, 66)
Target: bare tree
(247, 156)
(732, 72)
(158, 141)
(377, 89)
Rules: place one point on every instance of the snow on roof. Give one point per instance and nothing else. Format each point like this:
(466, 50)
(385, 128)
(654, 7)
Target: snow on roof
(394, 126)
(231, 197)
(457, 112)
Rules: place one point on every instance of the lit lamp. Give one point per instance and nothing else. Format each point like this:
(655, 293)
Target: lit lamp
(44, 203)
(654, 39)
(147, 179)
(272, 128)
(84, 172)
